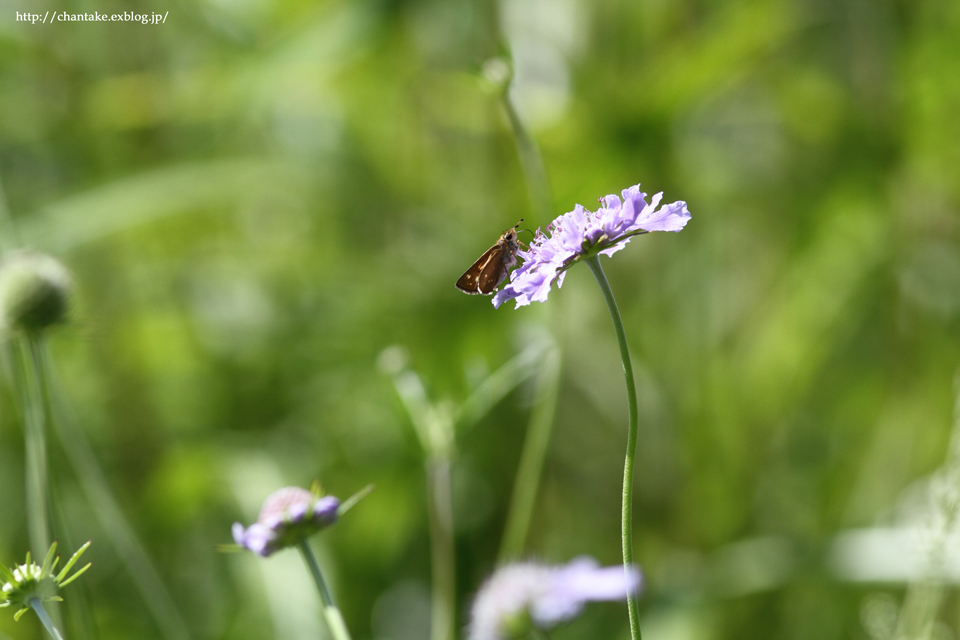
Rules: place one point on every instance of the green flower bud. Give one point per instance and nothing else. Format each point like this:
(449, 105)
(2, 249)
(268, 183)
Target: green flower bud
(34, 291)
(22, 584)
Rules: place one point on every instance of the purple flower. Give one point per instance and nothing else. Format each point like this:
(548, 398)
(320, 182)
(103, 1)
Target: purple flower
(288, 516)
(523, 596)
(582, 234)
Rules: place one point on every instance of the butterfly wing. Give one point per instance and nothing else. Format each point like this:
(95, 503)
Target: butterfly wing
(493, 273)
(470, 281)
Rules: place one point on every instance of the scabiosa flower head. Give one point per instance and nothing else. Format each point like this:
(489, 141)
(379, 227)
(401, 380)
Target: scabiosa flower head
(288, 516)
(582, 234)
(30, 581)
(522, 596)
(34, 291)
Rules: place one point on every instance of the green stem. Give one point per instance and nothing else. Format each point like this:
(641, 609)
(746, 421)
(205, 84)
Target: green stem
(435, 429)
(626, 526)
(535, 445)
(37, 607)
(530, 159)
(442, 554)
(35, 443)
(338, 628)
(96, 489)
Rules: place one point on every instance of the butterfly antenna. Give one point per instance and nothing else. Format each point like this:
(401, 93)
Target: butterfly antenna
(530, 231)
(519, 230)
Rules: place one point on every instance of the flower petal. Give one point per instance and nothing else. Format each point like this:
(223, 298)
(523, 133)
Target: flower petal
(325, 510)
(672, 217)
(239, 533)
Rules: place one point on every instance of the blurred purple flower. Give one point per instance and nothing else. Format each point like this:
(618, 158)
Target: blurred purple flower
(582, 233)
(521, 596)
(288, 516)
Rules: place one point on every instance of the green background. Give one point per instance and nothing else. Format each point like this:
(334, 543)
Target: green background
(258, 197)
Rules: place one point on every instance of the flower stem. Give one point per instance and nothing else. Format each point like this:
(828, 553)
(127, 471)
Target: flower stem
(434, 427)
(442, 553)
(96, 489)
(626, 526)
(35, 443)
(338, 628)
(531, 161)
(37, 607)
(534, 453)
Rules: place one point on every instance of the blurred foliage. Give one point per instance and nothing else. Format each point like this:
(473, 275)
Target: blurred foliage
(258, 197)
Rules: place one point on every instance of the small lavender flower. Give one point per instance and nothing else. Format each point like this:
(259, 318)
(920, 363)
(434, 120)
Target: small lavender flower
(522, 596)
(30, 584)
(288, 516)
(581, 234)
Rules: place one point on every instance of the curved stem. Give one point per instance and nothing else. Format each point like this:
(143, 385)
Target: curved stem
(37, 607)
(530, 159)
(534, 453)
(626, 526)
(338, 628)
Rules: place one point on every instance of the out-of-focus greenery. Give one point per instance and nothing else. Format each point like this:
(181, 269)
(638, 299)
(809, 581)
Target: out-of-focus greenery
(257, 198)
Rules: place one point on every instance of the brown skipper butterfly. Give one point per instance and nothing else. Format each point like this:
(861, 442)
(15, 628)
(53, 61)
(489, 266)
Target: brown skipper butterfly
(488, 272)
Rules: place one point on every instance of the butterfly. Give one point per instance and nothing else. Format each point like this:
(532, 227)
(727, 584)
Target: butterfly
(488, 272)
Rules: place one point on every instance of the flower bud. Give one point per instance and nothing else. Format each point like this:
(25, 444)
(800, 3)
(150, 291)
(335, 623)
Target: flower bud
(23, 585)
(288, 516)
(34, 291)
